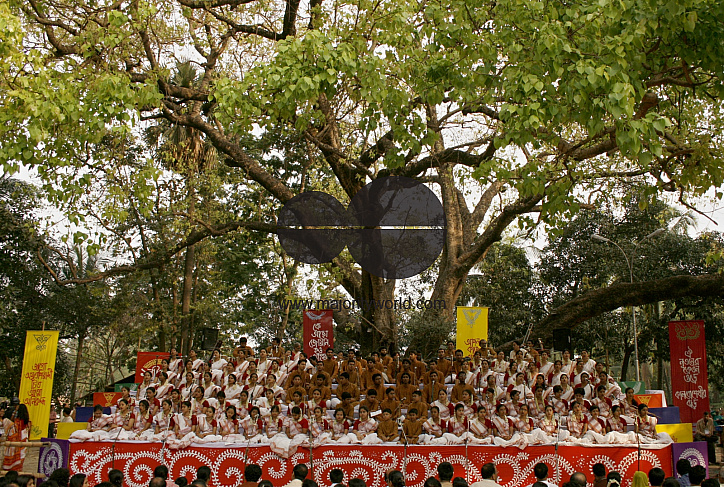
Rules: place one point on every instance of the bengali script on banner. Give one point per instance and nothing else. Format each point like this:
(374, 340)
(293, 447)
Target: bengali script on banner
(148, 361)
(689, 380)
(472, 326)
(318, 332)
(36, 382)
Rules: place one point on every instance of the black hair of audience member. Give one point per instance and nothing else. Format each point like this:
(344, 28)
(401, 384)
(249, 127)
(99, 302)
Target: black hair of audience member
(24, 480)
(579, 478)
(104, 484)
(599, 470)
(571, 483)
(614, 475)
(539, 484)
(336, 476)
(430, 482)
(266, 483)
(10, 476)
(203, 473)
(161, 471)
(50, 483)
(115, 477)
(157, 482)
(710, 482)
(487, 471)
(445, 471)
(11, 484)
(683, 466)
(459, 482)
(656, 477)
(309, 483)
(60, 475)
(300, 471)
(252, 473)
(671, 482)
(77, 480)
(396, 479)
(358, 483)
(540, 471)
(697, 475)
(181, 482)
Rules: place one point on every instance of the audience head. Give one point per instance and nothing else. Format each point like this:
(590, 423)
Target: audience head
(356, 483)
(336, 476)
(615, 476)
(697, 475)
(161, 471)
(157, 482)
(78, 480)
(115, 477)
(683, 466)
(599, 470)
(309, 483)
(540, 471)
(579, 478)
(711, 482)
(181, 481)
(60, 475)
(203, 473)
(445, 471)
(640, 479)
(656, 477)
(266, 483)
(25, 481)
(300, 471)
(671, 482)
(252, 473)
(396, 479)
(430, 482)
(459, 482)
(488, 471)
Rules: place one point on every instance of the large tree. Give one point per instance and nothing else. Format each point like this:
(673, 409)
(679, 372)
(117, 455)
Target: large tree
(530, 104)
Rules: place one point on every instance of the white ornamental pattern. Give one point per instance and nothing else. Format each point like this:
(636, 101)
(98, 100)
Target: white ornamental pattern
(51, 458)
(369, 463)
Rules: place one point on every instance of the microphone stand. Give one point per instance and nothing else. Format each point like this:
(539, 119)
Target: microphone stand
(404, 452)
(558, 439)
(638, 439)
(113, 447)
(467, 462)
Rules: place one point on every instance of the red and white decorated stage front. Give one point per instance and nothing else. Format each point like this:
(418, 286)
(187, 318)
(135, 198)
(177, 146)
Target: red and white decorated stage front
(515, 466)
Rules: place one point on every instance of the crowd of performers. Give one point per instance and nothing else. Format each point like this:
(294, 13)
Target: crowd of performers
(285, 399)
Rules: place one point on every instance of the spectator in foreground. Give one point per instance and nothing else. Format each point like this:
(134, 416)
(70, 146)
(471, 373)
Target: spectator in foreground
(541, 474)
(181, 482)
(697, 475)
(115, 477)
(430, 482)
(710, 482)
(671, 482)
(252, 474)
(299, 473)
(656, 477)
(157, 482)
(361, 483)
(60, 475)
(599, 475)
(579, 478)
(459, 482)
(78, 480)
(336, 476)
(266, 483)
(640, 479)
(203, 474)
(396, 479)
(445, 472)
(490, 476)
(705, 432)
(683, 467)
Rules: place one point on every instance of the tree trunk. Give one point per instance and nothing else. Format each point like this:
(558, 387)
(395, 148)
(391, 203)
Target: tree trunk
(187, 288)
(624, 363)
(76, 370)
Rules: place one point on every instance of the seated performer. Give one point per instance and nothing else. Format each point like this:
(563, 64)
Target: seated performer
(596, 426)
(144, 420)
(285, 445)
(603, 403)
(205, 427)
(274, 424)
(391, 403)
(387, 429)
(97, 428)
(549, 427)
(371, 402)
(340, 427)
(646, 427)
(457, 427)
(320, 428)
(446, 408)
(418, 404)
(470, 409)
(435, 428)
(364, 428)
(577, 424)
(431, 391)
(411, 428)
(122, 422)
(253, 426)
(504, 428)
(481, 429)
(404, 390)
(228, 426)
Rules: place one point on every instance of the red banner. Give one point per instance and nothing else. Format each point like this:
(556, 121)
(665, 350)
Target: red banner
(148, 361)
(106, 399)
(689, 379)
(318, 332)
(369, 463)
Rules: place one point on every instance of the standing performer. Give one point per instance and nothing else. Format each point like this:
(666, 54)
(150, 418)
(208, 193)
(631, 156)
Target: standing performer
(16, 424)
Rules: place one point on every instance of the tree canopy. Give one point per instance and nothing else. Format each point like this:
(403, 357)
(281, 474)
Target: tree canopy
(529, 109)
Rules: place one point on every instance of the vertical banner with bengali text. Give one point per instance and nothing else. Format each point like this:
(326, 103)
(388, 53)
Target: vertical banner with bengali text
(36, 382)
(318, 332)
(689, 380)
(149, 361)
(472, 327)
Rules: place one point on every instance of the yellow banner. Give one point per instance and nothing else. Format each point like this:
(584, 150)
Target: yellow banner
(36, 383)
(680, 433)
(472, 327)
(64, 430)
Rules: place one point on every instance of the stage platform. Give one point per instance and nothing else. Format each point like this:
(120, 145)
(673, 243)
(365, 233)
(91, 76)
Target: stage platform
(137, 460)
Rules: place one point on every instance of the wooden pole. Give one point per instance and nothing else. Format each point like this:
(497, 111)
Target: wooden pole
(29, 444)
(31, 474)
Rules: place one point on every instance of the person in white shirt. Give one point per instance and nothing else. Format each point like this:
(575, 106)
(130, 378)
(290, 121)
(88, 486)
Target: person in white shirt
(490, 476)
